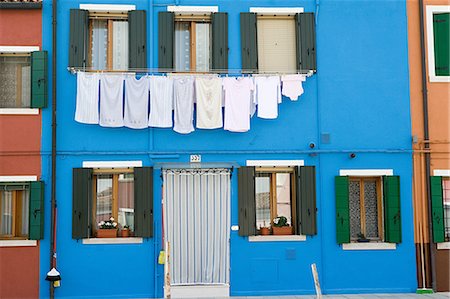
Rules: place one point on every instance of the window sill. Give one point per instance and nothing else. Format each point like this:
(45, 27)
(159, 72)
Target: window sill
(443, 246)
(434, 79)
(19, 111)
(273, 238)
(369, 246)
(91, 241)
(18, 243)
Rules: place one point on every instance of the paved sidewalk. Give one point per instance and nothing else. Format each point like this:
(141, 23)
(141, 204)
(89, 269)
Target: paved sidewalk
(445, 295)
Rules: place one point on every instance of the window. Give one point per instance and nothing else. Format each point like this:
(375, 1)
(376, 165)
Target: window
(23, 78)
(368, 209)
(123, 193)
(21, 210)
(108, 37)
(282, 41)
(193, 40)
(265, 193)
(438, 40)
(440, 205)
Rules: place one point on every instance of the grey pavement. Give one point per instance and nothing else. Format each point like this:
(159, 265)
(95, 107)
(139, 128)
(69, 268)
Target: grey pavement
(442, 295)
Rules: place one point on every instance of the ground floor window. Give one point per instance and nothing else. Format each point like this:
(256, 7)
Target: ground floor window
(446, 202)
(14, 210)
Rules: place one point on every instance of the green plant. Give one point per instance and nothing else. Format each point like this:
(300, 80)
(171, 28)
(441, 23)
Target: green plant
(126, 227)
(280, 221)
(108, 224)
(361, 236)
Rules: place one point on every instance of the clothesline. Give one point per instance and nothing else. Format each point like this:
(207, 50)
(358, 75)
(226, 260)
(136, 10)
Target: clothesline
(164, 71)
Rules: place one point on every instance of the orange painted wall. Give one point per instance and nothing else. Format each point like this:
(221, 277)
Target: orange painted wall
(19, 272)
(439, 131)
(20, 27)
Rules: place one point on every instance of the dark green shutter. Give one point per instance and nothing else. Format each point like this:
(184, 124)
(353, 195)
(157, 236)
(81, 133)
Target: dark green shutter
(246, 201)
(36, 210)
(81, 202)
(441, 31)
(392, 219)
(137, 41)
(437, 209)
(306, 200)
(166, 33)
(249, 44)
(305, 33)
(219, 55)
(79, 37)
(143, 202)
(342, 210)
(39, 79)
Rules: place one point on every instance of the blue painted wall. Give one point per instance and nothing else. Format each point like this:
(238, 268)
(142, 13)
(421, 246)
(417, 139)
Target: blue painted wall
(360, 96)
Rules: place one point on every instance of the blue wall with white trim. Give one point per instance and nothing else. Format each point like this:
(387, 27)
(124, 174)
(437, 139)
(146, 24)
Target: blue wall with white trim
(360, 96)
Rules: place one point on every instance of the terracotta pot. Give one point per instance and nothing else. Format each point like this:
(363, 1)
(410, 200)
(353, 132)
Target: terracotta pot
(106, 233)
(125, 233)
(264, 231)
(284, 230)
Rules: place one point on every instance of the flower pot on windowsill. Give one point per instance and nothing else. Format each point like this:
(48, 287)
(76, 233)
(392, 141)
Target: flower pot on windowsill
(264, 231)
(283, 230)
(106, 233)
(125, 233)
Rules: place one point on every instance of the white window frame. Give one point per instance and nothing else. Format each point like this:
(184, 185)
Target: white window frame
(107, 7)
(430, 10)
(19, 50)
(18, 178)
(443, 173)
(195, 10)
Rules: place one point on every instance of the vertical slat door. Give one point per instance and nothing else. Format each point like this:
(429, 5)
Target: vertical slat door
(342, 210)
(143, 202)
(437, 209)
(219, 53)
(392, 217)
(441, 33)
(249, 43)
(79, 37)
(81, 202)
(137, 40)
(246, 201)
(306, 41)
(39, 80)
(36, 211)
(306, 200)
(165, 39)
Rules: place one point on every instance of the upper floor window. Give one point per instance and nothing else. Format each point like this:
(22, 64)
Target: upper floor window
(438, 42)
(108, 37)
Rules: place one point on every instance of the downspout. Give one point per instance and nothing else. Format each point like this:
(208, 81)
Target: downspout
(427, 145)
(53, 174)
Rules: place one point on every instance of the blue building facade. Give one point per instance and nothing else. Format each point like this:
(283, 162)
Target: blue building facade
(356, 103)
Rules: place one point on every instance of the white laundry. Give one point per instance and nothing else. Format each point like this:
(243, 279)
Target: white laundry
(209, 102)
(183, 105)
(268, 96)
(86, 110)
(238, 102)
(111, 100)
(136, 102)
(292, 86)
(161, 102)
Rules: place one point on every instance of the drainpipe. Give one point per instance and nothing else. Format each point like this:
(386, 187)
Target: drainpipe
(427, 145)
(53, 174)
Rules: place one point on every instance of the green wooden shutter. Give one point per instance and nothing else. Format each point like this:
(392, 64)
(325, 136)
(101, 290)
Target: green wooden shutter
(219, 55)
(81, 202)
(79, 37)
(39, 79)
(342, 210)
(246, 201)
(441, 31)
(437, 209)
(137, 41)
(392, 219)
(36, 210)
(166, 33)
(306, 200)
(305, 32)
(249, 43)
(143, 202)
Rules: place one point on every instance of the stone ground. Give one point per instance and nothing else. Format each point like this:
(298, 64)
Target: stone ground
(443, 295)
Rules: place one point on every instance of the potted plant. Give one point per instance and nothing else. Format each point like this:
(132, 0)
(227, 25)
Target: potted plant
(107, 229)
(362, 238)
(125, 232)
(281, 227)
(264, 230)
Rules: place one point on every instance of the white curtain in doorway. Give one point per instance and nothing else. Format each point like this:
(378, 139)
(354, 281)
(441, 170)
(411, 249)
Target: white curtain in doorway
(197, 222)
